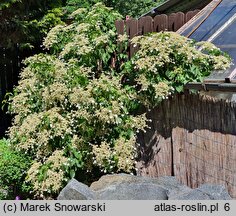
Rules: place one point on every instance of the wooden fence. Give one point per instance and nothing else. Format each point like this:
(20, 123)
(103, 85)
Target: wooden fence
(193, 138)
(9, 69)
(10, 64)
(163, 22)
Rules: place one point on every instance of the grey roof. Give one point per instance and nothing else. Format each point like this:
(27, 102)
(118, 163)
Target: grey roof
(216, 23)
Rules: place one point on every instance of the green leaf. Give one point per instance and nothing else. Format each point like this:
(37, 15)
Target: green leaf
(72, 174)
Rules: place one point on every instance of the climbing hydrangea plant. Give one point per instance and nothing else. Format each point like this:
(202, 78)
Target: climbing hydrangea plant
(77, 108)
(68, 106)
(166, 61)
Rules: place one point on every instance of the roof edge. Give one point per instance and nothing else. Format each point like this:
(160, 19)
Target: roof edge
(200, 17)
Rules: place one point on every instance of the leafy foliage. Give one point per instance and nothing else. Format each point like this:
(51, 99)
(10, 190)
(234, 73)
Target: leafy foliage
(22, 21)
(28, 21)
(13, 168)
(73, 5)
(92, 39)
(7, 3)
(166, 61)
(133, 8)
(69, 107)
(77, 108)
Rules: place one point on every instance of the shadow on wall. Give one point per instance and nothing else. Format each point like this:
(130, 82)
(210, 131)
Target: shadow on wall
(193, 138)
(10, 66)
(5, 121)
(188, 111)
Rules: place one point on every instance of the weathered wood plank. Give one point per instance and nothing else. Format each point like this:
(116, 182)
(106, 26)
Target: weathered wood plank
(120, 26)
(148, 24)
(197, 134)
(160, 23)
(132, 31)
(189, 15)
(145, 25)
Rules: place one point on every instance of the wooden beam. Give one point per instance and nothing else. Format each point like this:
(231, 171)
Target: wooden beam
(224, 87)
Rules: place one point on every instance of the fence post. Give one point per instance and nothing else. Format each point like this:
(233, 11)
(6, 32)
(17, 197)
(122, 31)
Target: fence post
(189, 15)
(132, 31)
(145, 25)
(134, 27)
(120, 26)
(160, 23)
(176, 20)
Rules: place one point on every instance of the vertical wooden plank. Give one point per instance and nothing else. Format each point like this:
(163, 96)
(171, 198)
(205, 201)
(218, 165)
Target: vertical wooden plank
(132, 27)
(179, 21)
(171, 22)
(120, 26)
(189, 15)
(160, 23)
(175, 21)
(145, 25)
(132, 31)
